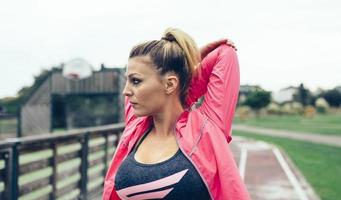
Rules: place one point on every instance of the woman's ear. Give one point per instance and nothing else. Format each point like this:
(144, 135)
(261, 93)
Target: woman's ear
(171, 83)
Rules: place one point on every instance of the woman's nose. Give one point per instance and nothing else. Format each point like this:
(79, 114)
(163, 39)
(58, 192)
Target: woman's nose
(126, 91)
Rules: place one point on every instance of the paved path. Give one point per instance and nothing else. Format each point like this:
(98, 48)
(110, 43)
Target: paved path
(268, 173)
(332, 140)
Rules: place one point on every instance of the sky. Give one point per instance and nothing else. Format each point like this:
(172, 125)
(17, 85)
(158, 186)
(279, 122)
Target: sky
(280, 43)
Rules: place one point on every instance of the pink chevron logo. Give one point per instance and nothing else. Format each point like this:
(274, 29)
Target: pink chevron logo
(164, 182)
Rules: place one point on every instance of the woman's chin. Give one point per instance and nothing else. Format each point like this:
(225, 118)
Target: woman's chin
(139, 114)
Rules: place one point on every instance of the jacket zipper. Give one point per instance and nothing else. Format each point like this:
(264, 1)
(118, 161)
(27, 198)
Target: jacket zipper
(203, 179)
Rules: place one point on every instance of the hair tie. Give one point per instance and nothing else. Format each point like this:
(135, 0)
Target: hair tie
(169, 38)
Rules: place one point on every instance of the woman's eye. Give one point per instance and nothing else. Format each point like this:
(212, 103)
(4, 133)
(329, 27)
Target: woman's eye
(135, 81)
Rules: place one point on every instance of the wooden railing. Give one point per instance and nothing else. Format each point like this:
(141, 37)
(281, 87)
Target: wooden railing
(68, 165)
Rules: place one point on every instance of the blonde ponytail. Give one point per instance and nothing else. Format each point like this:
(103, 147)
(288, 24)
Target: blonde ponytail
(187, 44)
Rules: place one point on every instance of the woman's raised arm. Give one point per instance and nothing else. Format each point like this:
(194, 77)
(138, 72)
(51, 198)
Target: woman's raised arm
(218, 79)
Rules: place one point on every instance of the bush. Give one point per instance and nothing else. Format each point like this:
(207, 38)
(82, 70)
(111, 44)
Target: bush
(286, 109)
(297, 108)
(309, 112)
(273, 108)
(293, 108)
(321, 105)
(243, 112)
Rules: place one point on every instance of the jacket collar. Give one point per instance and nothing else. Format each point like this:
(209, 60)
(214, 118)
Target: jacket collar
(181, 121)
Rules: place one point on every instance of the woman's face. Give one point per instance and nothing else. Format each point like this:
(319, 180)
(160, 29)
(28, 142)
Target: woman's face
(144, 86)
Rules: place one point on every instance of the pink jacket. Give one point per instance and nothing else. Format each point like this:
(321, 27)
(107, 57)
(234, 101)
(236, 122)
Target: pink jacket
(202, 134)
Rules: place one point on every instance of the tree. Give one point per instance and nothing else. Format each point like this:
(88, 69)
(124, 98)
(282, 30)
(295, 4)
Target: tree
(303, 95)
(12, 105)
(333, 97)
(258, 99)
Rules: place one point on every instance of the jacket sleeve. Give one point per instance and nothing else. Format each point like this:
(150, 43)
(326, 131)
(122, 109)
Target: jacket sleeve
(218, 79)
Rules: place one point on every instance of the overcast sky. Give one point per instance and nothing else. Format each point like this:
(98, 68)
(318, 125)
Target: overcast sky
(280, 43)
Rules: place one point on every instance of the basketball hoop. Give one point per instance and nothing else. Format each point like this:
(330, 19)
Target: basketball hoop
(77, 69)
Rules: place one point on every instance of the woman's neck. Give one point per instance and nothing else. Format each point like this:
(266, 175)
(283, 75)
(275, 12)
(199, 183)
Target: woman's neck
(164, 121)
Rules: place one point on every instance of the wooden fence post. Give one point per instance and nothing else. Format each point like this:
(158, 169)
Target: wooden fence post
(84, 165)
(54, 171)
(13, 168)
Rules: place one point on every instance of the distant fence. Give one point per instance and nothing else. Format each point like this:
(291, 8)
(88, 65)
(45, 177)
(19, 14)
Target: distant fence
(8, 126)
(71, 165)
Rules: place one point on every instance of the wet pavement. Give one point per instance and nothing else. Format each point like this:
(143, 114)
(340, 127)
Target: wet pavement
(268, 173)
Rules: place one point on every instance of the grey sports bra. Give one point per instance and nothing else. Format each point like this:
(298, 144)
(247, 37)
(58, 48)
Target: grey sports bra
(174, 178)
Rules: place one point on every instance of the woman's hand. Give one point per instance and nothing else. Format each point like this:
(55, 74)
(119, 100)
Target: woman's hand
(205, 50)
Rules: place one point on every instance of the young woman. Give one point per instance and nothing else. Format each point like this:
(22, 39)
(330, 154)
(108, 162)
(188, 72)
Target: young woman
(169, 149)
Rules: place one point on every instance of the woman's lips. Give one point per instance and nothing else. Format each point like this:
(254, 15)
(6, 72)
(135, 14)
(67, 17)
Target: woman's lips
(133, 103)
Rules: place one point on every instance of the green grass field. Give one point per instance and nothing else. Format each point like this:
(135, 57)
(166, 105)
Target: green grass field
(325, 124)
(320, 164)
